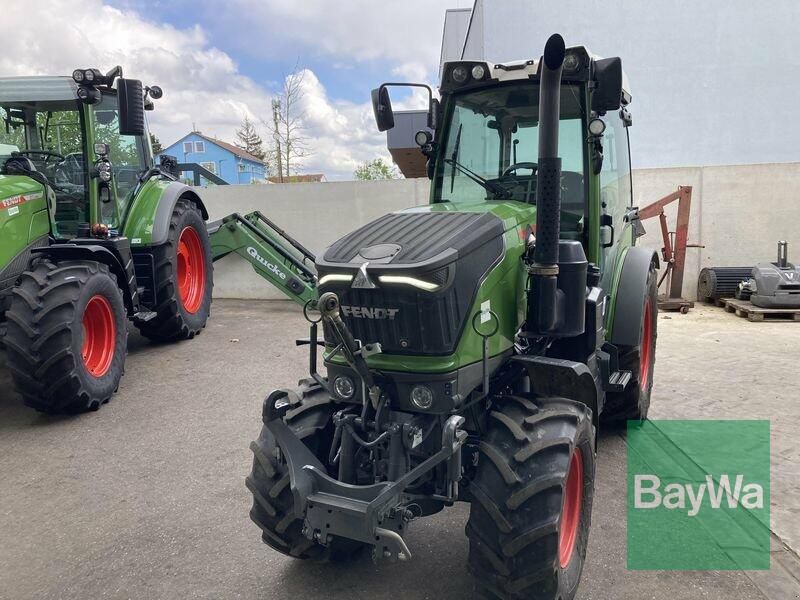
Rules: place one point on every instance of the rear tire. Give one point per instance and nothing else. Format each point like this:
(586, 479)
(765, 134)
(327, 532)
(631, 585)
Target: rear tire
(184, 278)
(532, 500)
(273, 502)
(634, 402)
(66, 336)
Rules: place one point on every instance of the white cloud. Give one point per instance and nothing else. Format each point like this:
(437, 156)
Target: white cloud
(202, 84)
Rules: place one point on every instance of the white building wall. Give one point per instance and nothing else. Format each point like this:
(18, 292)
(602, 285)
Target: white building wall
(713, 82)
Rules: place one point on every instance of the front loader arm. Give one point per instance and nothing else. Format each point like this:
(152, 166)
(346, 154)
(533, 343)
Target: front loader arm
(276, 256)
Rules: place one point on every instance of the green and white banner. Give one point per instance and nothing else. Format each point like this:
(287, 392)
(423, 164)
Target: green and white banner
(698, 495)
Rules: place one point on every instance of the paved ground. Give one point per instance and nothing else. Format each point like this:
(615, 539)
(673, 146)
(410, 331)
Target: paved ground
(145, 499)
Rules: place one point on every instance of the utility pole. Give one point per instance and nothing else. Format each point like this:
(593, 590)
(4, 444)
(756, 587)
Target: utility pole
(276, 106)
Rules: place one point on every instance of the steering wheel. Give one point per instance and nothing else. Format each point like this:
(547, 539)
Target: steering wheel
(46, 153)
(521, 165)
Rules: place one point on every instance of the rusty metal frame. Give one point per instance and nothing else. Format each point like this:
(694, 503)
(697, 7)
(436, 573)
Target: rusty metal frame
(674, 254)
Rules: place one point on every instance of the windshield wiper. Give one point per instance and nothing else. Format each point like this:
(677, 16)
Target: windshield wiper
(496, 189)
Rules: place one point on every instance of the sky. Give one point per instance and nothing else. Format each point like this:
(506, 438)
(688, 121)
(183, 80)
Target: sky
(219, 61)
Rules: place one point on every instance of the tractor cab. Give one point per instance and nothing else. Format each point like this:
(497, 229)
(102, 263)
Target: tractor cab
(483, 140)
(78, 137)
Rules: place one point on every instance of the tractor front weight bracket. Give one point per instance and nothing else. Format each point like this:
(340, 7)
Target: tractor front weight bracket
(375, 514)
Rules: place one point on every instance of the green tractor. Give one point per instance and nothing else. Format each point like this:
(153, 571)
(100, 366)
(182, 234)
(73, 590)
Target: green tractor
(92, 235)
(472, 346)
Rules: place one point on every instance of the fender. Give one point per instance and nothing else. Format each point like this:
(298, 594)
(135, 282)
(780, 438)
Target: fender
(147, 221)
(629, 299)
(166, 205)
(110, 256)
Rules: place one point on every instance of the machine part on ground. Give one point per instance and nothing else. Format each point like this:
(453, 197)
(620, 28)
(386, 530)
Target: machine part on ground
(471, 346)
(714, 283)
(776, 285)
(673, 252)
(745, 290)
(93, 235)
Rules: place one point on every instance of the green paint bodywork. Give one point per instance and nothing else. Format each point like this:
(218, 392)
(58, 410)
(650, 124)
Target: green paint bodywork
(141, 214)
(24, 217)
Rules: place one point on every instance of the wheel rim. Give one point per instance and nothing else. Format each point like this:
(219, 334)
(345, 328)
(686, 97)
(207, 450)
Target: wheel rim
(191, 270)
(99, 336)
(647, 347)
(571, 511)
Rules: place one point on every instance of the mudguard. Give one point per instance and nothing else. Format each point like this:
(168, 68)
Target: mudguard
(629, 299)
(115, 254)
(147, 223)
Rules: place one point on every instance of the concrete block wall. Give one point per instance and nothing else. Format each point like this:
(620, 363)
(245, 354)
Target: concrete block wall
(738, 213)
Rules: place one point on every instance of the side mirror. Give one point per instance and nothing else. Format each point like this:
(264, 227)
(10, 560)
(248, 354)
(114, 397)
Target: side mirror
(382, 107)
(131, 106)
(608, 77)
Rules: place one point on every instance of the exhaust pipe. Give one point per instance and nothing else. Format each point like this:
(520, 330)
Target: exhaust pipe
(544, 311)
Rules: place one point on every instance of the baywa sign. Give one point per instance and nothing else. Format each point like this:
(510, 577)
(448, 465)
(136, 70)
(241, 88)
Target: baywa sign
(698, 495)
(721, 492)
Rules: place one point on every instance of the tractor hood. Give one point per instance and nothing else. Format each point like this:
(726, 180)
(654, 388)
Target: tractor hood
(408, 279)
(20, 198)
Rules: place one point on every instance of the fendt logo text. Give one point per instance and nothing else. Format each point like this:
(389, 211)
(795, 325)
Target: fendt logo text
(254, 253)
(363, 312)
(648, 494)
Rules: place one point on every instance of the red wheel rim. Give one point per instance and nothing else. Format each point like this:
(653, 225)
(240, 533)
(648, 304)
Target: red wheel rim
(571, 511)
(647, 346)
(191, 270)
(99, 336)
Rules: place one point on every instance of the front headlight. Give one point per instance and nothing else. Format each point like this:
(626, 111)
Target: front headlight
(344, 386)
(406, 280)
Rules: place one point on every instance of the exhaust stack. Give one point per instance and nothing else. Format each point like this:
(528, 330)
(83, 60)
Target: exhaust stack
(557, 269)
(543, 293)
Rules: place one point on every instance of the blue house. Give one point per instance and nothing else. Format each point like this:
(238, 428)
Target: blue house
(225, 160)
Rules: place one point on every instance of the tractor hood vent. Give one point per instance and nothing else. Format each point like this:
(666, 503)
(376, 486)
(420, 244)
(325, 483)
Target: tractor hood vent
(414, 239)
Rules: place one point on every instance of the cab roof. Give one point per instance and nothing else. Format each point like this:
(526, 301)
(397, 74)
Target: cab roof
(37, 89)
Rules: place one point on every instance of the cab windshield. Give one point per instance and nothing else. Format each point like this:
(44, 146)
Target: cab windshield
(492, 145)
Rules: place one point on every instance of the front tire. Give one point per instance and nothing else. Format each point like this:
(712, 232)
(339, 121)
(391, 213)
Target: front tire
(66, 336)
(273, 502)
(184, 278)
(532, 500)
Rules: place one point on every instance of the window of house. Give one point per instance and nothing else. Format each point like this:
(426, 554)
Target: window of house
(199, 146)
(210, 166)
(241, 167)
(187, 147)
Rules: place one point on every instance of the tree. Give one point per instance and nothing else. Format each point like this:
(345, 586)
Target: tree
(156, 144)
(371, 170)
(249, 140)
(290, 147)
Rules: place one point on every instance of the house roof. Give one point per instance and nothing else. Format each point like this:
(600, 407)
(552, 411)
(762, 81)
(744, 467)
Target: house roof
(235, 150)
(310, 178)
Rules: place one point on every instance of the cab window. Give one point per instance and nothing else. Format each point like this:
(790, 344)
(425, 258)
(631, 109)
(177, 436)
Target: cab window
(126, 152)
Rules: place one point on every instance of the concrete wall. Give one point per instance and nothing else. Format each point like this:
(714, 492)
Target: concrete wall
(317, 214)
(738, 212)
